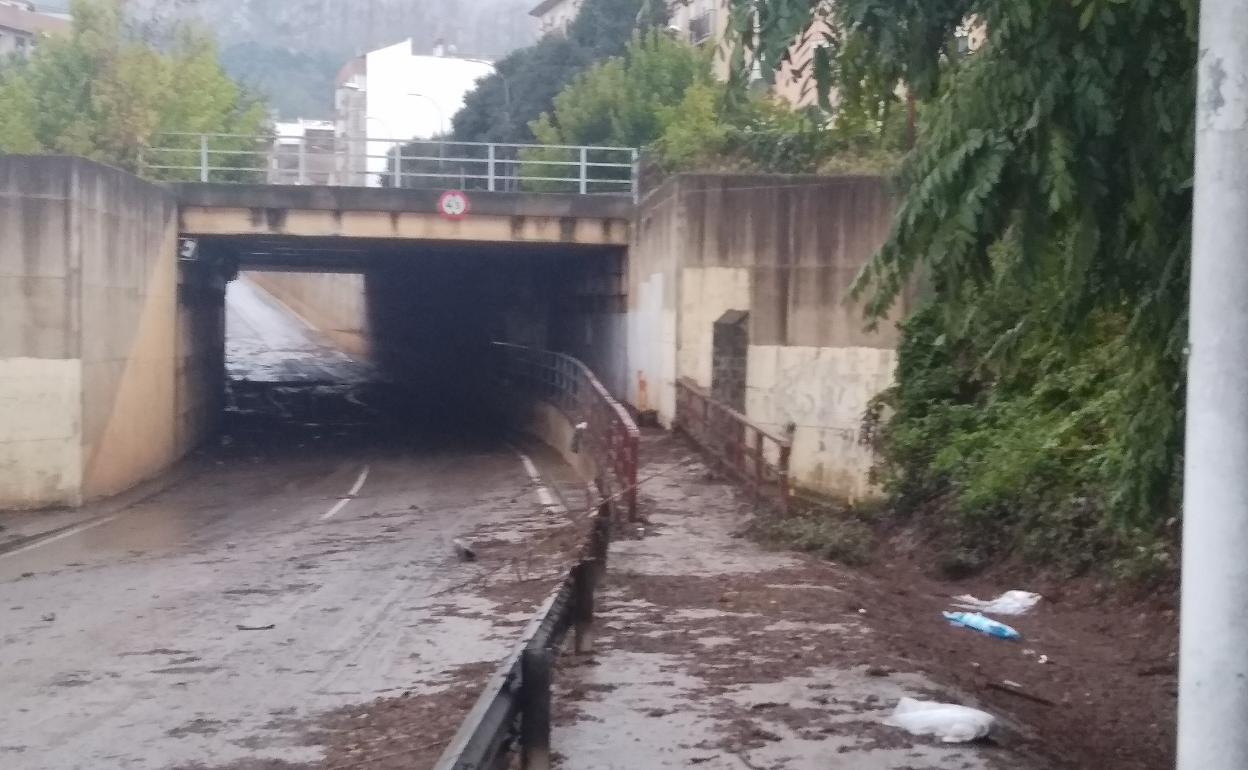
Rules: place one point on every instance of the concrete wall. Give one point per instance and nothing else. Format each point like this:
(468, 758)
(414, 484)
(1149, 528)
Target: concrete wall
(88, 331)
(332, 303)
(589, 311)
(200, 384)
(785, 249)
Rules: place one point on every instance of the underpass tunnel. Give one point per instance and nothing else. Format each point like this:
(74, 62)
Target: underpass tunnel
(405, 330)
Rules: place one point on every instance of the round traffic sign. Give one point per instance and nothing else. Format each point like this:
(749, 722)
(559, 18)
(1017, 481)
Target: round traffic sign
(454, 204)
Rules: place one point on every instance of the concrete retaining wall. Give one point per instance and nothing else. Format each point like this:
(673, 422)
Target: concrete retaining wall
(786, 250)
(88, 332)
(332, 303)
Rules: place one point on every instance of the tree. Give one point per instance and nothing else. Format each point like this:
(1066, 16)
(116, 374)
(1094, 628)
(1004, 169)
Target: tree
(1051, 187)
(622, 101)
(525, 83)
(101, 94)
(523, 86)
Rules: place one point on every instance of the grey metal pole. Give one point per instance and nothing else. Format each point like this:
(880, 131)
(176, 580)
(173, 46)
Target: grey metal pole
(203, 157)
(303, 159)
(492, 160)
(1213, 661)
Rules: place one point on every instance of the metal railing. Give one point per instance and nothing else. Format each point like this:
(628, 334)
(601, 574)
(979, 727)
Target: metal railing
(754, 455)
(330, 160)
(609, 430)
(514, 711)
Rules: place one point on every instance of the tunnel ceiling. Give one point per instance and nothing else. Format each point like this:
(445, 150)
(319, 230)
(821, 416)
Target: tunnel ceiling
(305, 254)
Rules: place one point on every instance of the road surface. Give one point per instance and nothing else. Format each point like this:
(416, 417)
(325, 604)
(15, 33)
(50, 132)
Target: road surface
(303, 567)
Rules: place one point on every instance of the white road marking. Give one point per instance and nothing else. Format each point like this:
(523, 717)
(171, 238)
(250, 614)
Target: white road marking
(543, 492)
(355, 490)
(359, 483)
(67, 533)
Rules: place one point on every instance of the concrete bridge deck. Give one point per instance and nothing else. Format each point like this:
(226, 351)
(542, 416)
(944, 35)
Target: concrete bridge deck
(212, 209)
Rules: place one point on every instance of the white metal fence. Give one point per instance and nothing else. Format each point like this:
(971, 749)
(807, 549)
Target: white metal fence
(322, 158)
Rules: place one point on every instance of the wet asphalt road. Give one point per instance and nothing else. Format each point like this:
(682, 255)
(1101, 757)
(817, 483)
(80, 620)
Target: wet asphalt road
(290, 573)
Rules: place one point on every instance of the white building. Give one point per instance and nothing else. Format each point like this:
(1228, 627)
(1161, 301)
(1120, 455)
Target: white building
(394, 95)
(304, 152)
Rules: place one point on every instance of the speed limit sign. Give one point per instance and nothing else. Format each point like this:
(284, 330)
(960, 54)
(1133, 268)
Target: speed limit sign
(453, 204)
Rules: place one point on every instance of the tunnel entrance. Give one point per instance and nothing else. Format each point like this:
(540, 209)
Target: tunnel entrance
(394, 340)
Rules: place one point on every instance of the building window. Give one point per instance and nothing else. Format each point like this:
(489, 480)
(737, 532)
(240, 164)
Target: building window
(702, 27)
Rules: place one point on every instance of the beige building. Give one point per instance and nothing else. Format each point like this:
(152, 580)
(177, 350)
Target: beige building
(554, 16)
(22, 27)
(701, 22)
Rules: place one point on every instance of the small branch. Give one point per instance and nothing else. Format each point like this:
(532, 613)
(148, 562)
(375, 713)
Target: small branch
(1020, 693)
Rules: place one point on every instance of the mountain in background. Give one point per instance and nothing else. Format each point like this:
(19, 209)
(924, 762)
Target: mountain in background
(290, 50)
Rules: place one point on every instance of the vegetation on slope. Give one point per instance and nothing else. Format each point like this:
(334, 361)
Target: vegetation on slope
(1047, 204)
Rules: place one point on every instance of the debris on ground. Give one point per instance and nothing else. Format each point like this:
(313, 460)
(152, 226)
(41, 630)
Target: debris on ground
(463, 550)
(1008, 603)
(949, 722)
(709, 643)
(977, 622)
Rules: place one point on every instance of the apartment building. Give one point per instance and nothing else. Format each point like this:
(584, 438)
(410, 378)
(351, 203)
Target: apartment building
(554, 16)
(22, 27)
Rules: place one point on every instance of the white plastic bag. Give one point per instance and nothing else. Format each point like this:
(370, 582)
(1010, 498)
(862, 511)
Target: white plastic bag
(947, 721)
(1008, 603)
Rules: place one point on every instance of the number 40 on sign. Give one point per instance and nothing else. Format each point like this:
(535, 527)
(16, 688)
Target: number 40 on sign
(453, 204)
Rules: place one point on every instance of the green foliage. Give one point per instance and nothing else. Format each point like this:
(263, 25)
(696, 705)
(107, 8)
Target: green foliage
(504, 105)
(99, 94)
(523, 86)
(662, 95)
(830, 533)
(1047, 206)
(1018, 437)
(623, 101)
(694, 131)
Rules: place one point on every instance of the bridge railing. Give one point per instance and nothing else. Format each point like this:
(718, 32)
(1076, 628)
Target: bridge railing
(610, 434)
(759, 458)
(326, 159)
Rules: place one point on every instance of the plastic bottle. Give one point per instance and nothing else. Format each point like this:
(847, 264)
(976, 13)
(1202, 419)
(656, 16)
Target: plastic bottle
(978, 622)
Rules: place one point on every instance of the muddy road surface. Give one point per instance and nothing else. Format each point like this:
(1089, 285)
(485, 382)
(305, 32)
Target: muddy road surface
(302, 565)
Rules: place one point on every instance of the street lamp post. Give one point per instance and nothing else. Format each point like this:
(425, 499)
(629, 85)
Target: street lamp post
(1213, 663)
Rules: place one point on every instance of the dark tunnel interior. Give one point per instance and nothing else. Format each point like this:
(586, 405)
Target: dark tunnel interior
(429, 316)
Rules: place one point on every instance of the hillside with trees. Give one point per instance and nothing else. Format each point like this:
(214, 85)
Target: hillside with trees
(289, 51)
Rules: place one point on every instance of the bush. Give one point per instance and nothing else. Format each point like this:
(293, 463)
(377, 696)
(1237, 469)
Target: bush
(1053, 444)
(836, 535)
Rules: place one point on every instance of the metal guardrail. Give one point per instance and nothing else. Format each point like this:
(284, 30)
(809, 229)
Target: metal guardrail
(754, 455)
(330, 160)
(610, 432)
(514, 712)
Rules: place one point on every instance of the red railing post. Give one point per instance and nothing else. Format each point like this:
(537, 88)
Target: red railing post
(734, 442)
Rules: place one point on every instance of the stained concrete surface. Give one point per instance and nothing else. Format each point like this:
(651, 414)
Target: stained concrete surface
(714, 653)
(303, 566)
